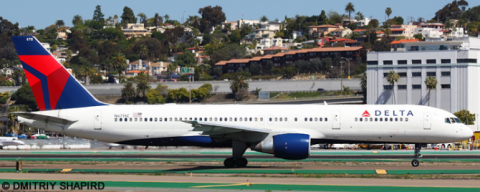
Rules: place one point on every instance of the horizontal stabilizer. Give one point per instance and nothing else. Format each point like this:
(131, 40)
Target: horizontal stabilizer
(210, 128)
(46, 118)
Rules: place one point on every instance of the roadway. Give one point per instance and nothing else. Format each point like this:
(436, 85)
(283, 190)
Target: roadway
(224, 86)
(205, 156)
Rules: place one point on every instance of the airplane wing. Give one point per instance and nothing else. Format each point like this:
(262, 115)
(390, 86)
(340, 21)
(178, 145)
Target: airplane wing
(210, 128)
(47, 118)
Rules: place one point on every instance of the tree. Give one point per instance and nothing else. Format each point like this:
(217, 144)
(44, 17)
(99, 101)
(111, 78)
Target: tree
(59, 23)
(418, 36)
(187, 59)
(118, 62)
(128, 92)
(363, 85)
(211, 16)
(264, 18)
(143, 19)
(393, 78)
(154, 97)
(463, 4)
(388, 11)
(349, 9)
(77, 41)
(238, 83)
(359, 16)
(466, 117)
(77, 20)
(231, 51)
(128, 16)
(157, 20)
(142, 85)
(431, 83)
(24, 96)
(98, 15)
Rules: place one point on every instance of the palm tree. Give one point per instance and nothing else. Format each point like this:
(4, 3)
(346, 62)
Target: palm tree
(388, 11)
(238, 83)
(167, 17)
(157, 20)
(264, 18)
(119, 62)
(59, 23)
(143, 52)
(392, 78)
(463, 4)
(88, 73)
(142, 85)
(77, 19)
(363, 84)
(128, 92)
(349, 8)
(431, 83)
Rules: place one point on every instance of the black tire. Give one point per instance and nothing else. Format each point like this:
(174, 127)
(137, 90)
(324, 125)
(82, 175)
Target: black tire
(110, 148)
(229, 162)
(415, 163)
(241, 162)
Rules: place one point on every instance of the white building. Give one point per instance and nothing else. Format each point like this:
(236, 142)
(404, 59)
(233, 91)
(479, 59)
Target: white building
(242, 23)
(455, 65)
(429, 32)
(363, 22)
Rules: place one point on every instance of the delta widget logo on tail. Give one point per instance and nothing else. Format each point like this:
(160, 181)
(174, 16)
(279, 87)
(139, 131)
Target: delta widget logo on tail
(389, 113)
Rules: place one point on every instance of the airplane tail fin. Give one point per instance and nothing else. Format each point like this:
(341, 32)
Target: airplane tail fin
(52, 85)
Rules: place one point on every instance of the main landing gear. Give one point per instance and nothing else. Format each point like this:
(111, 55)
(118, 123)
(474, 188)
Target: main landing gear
(238, 149)
(415, 162)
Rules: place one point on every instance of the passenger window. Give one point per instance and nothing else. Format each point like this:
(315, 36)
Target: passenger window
(381, 119)
(230, 119)
(326, 119)
(391, 119)
(180, 119)
(396, 119)
(447, 120)
(235, 119)
(280, 119)
(356, 118)
(276, 118)
(255, 119)
(261, 118)
(190, 118)
(241, 119)
(311, 119)
(200, 119)
(250, 119)
(120, 119)
(225, 119)
(285, 119)
(401, 118)
(115, 119)
(316, 119)
(371, 119)
(130, 119)
(386, 119)
(306, 119)
(215, 119)
(295, 119)
(160, 119)
(126, 120)
(406, 118)
(166, 119)
(140, 119)
(361, 119)
(176, 119)
(246, 119)
(151, 119)
(366, 119)
(321, 119)
(376, 119)
(170, 119)
(146, 119)
(220, 119)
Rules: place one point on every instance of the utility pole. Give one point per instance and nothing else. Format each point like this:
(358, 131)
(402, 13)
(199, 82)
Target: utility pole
(341, 78)
(189, 89)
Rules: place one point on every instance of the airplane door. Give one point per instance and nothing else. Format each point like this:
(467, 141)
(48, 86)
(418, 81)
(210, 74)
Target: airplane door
(98, 120)
(336, 120)
(426, 121)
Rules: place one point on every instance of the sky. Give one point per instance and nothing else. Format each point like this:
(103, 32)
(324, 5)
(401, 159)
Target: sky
(43, 13)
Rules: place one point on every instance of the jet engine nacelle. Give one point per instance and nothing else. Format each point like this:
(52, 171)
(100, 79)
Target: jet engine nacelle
(291, 146)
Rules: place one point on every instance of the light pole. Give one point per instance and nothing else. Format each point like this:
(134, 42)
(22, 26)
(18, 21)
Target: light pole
(348, 60)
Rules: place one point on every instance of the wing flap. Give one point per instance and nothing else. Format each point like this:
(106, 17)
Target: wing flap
(46, 118)
(211, 128)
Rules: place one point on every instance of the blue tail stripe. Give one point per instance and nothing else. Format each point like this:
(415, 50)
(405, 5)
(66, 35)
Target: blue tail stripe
(43, 81)
(24, 46)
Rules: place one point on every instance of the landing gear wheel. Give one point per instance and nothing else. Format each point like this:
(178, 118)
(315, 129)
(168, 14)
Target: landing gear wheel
(229, 162)
(415, 163)
(241, 162)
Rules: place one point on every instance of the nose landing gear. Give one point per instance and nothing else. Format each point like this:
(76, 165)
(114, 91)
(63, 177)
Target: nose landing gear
(415, 162)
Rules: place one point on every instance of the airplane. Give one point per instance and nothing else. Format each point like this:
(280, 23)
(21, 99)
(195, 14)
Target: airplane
(7, 141)
(286, 131)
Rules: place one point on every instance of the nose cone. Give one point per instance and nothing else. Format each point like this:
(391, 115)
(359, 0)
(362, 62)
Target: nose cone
(467, 132)
(20, 143)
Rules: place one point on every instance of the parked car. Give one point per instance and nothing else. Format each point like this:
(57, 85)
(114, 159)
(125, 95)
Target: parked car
(320, 90)
(22, 136)
(30, 136)
(11, 135)
(41, 136)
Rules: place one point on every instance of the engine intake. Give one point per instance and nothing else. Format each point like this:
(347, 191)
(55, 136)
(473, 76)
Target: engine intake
(292, 146)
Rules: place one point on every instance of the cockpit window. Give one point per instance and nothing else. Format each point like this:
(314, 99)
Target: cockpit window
(458, 120)
(452, 120)
(447, 120)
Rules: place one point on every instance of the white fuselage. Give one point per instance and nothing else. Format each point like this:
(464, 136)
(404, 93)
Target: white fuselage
(6, 141)
(324, 123)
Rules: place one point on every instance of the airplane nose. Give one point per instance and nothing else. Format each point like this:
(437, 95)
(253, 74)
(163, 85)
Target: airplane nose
(467, 132)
